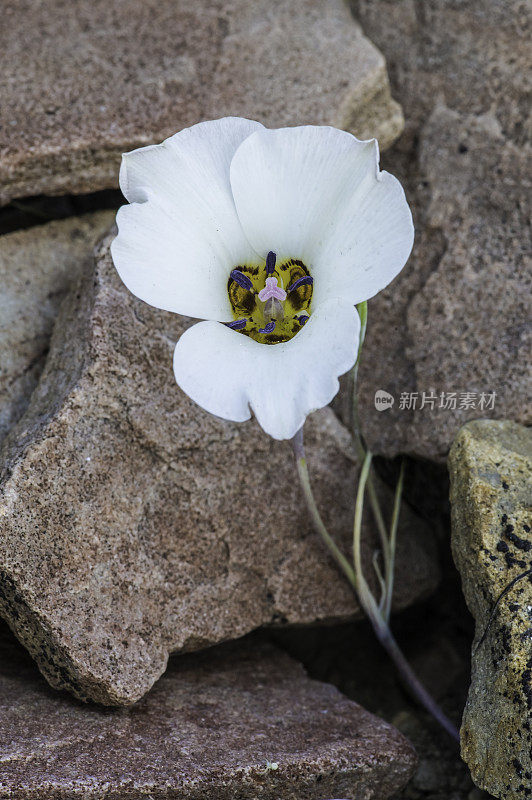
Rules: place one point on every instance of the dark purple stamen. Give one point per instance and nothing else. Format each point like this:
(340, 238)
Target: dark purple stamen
(301, 282)
(237, 325)
(242, 280)
(271, 258)
(302, 319)
(268, 328)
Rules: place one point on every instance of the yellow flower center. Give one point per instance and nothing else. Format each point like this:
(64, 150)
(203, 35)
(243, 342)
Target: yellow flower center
(270, 301)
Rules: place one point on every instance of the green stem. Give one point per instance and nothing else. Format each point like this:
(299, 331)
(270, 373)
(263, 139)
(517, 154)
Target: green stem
(376, 509)
(357, 524)
(359, 584)
(390, 573)
(304, 478)
(362, 309)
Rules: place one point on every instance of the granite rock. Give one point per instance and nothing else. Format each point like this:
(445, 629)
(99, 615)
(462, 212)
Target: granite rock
(134, 524)
(37, 268)
(238, 721)
(490, 465)
(436, 638)
(456, 319)
(104, 77)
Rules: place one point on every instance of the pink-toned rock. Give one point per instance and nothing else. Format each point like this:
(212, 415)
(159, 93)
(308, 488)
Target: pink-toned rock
(133, 524)
(81, 83)
(238, 721)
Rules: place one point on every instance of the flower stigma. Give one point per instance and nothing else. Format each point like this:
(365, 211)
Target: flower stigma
(270, 301)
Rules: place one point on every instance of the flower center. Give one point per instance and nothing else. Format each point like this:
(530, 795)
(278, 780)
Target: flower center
(270, 301)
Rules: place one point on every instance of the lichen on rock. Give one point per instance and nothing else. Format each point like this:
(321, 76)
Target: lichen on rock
(490, 465)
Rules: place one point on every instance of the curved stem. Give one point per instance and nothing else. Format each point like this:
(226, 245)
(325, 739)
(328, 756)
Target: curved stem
(357, 523)
(373, 497)
(411, 680)
(304, 478)
(390, 572)
(359, 584)
(362, 309)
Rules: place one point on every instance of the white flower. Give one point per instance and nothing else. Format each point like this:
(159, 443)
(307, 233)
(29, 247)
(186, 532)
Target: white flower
(271, 237)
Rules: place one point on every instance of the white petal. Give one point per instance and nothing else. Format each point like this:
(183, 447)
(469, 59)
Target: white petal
(180, 237)
(316, 193)
(228, 373)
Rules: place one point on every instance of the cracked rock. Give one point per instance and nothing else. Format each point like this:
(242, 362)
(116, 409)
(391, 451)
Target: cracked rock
(104, 77)
(134, 524)
(456, 320)
(490, 465)
(239, 721)
(37, 268)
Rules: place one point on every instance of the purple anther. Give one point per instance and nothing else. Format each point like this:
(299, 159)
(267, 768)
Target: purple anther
(242, 280)
(306, 280)
(271, 258)
(237, 325)
(302, 319)
(268, 328)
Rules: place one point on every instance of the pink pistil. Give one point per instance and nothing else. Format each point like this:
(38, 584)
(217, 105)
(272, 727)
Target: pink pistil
(272, 290)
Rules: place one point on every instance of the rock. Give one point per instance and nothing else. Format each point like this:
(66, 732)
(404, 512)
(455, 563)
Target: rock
(127, 514)
(101, 78)
(239, 721)
(490, 465)
(37, 267)
(435, 637)
(456, 320)
(470, 55)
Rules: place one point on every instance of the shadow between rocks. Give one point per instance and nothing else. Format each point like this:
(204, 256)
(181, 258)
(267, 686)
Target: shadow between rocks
(436, 638)
(31, 211)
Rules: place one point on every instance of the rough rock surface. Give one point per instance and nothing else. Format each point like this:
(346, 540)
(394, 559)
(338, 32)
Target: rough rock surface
(456, 320)
(239, 721)
(350, 657)
(127, 514)
(104, 77)
(490, 464)
(37, 267)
